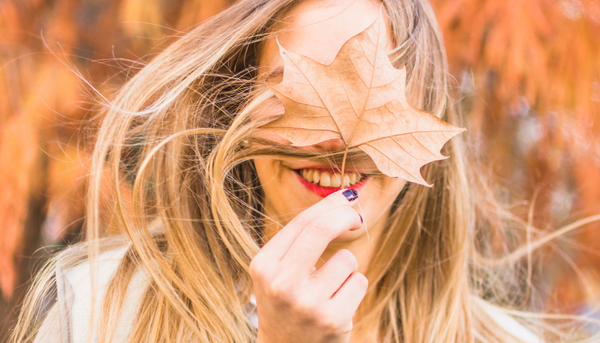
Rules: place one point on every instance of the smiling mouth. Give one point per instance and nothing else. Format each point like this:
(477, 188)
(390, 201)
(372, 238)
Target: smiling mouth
(330, 179)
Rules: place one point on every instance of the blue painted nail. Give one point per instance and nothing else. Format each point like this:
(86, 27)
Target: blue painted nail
(350, 194)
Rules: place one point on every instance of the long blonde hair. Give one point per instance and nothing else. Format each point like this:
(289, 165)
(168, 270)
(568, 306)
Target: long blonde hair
(176, 135)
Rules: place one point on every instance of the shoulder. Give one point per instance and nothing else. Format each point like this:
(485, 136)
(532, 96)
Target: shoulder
(79, 276)
(81, 289)
(507, 322)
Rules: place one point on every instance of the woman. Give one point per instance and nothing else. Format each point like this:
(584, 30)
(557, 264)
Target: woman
(223, 233)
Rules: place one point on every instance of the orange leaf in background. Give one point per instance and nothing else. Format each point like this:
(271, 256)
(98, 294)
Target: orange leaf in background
(18, 152)
(360, 98)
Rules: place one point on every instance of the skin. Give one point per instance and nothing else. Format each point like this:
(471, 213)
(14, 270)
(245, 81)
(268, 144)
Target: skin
(311, 271)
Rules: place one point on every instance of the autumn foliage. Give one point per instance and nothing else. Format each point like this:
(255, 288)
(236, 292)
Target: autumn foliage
(527, 78)
(528, 75)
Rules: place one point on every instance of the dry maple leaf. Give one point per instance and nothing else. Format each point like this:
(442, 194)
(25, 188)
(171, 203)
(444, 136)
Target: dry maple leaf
(360, 98)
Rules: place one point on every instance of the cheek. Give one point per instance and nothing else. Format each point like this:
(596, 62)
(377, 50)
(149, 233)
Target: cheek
(281, 199)
(268, 171)
(378, 201)
(392, 188)
(271, 176)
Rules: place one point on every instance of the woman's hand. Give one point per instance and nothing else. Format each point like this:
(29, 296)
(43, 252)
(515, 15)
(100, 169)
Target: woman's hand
(297, 303)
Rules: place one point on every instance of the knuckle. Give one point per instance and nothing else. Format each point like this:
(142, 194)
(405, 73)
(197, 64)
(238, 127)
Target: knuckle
(305, 307)
(332, 323)
(320, 227)
(256, 269)
(280, 291)
(361, 281)
(303, 219)
(331, 326)
(348, 258)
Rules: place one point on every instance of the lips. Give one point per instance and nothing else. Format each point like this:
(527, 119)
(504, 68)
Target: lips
(324, 182)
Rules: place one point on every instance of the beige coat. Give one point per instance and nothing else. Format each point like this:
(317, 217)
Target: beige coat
(69, 320)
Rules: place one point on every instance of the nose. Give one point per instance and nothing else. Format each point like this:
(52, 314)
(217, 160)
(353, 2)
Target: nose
(331, 145)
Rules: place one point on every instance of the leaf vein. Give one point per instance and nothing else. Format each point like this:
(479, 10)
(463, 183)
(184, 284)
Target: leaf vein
(394, 162)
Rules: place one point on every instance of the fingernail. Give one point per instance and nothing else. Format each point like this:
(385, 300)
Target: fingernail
(350, 194)
(361, 220)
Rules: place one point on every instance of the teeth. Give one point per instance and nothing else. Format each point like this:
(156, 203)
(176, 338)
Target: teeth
(325, 180)
(346, 180)
(354, 177)
(309, 175)
(332, 180)
(336, 181)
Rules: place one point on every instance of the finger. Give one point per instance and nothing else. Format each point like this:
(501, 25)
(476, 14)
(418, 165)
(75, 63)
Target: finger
(277, 247)
(333, 273)
(348, 297)
(306, 250)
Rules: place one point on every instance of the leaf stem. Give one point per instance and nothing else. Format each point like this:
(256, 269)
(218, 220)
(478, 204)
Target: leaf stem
(343, 166)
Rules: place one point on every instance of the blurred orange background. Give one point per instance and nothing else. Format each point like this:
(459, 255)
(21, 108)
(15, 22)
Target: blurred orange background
(526, 75)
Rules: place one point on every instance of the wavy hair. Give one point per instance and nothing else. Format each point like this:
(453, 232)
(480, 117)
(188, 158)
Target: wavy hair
(177, 135)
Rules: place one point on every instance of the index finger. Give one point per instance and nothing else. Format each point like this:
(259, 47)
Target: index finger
(277, 247)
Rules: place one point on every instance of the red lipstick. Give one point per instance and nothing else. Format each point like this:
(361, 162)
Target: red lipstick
(325, 191)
